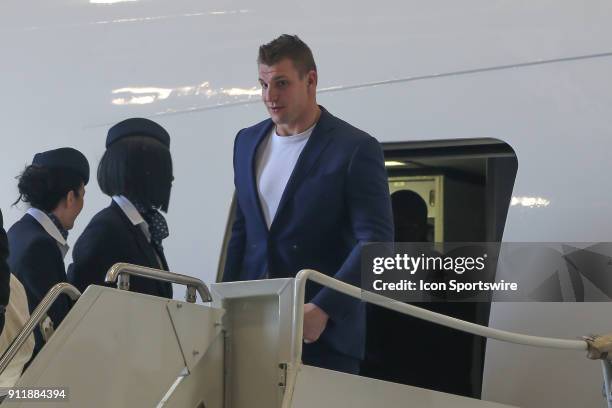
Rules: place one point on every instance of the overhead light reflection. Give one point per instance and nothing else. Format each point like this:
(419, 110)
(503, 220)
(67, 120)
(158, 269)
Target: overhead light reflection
(162, 93)
(146, 95)
(110, 1)
(135, 100)
(141, 96)
(156, 18)
(530, 202)
(239, 91)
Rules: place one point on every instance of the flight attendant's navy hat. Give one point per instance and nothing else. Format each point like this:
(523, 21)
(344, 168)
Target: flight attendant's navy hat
(64, 158)
(137, 127)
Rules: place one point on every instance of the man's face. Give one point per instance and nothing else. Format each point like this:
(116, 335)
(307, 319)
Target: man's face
(287, 97)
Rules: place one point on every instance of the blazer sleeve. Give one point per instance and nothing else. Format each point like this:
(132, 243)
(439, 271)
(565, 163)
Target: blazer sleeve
(39, 270)
(5, 274)
(96, 250)
(371, 220)
(236, 245)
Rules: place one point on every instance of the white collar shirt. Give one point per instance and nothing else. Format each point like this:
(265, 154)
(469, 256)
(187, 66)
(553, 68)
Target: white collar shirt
(133, 215)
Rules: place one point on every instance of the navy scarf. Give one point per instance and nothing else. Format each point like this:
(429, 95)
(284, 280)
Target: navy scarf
(158, 227)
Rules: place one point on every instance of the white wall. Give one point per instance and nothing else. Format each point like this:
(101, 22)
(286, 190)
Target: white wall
(62, 61)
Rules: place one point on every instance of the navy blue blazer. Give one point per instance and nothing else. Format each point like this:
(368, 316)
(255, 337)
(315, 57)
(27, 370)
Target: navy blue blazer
(336, 200)
(5, 273)
(109, 238)
(36, 260)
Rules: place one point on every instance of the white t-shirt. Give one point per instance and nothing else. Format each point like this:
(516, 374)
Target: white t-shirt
(276, 159)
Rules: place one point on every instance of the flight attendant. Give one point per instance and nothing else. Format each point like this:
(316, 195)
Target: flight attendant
(54, 187)
(136, 173)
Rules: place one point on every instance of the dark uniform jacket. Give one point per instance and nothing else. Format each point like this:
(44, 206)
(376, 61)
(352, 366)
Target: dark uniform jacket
(5, 288)
(110, 238)
(37, 261)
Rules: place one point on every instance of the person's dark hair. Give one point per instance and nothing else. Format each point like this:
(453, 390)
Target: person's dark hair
(410, 203)
(44, 188)
(409, 216)
(288, 46)
(139, 168)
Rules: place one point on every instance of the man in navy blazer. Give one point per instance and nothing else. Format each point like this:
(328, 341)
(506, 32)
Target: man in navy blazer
(311, 189)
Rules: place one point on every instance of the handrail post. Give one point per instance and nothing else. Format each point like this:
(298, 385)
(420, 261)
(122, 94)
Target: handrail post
(190, 294)
(123, 281)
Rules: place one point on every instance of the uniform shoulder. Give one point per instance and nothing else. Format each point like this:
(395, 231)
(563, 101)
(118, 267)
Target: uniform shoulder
(105, 215)
(35, 249)
(27, 230)
(104, 224)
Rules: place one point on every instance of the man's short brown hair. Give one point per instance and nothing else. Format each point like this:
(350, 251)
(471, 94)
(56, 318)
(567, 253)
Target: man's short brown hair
(288, 46)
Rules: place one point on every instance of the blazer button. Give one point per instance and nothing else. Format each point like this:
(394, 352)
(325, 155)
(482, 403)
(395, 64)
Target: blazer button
(295, 247)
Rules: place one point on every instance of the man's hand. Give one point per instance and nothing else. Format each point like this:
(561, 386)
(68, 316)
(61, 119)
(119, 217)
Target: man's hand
(315, 320)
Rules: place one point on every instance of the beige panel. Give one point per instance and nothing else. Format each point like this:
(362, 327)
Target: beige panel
(258, 320)
(196, 327)
(204, 384)
(114, 349)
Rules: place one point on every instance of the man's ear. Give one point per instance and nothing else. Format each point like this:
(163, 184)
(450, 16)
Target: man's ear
(312, 78)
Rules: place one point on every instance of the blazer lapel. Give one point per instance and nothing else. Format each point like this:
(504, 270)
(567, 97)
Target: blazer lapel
(252, 169)
(317, 142)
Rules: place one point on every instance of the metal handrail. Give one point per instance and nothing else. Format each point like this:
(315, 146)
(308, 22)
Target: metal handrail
(120, 273)
(298, 322)
(39, 314)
